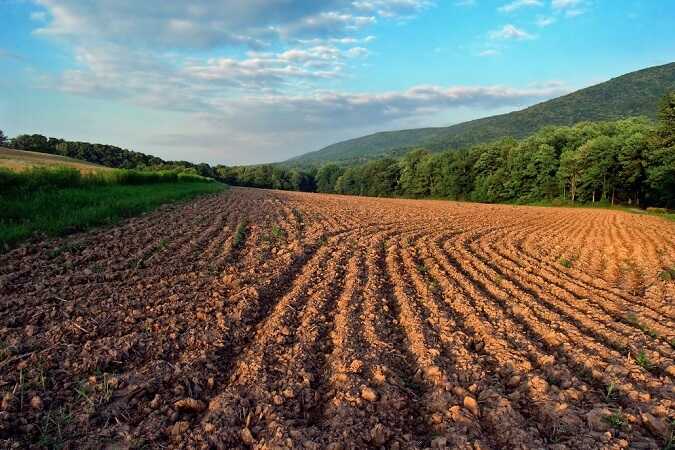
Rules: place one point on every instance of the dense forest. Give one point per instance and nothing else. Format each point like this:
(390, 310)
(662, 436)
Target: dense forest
(630, 95)
(628, 161)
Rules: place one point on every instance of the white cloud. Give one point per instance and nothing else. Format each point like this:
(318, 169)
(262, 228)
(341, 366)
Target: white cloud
(393, 8)
(574, 12)
(570, 8)
(563, 4)
(508, 32)
(517, 4)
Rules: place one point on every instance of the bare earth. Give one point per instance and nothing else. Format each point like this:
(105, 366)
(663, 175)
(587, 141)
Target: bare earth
(342, 322)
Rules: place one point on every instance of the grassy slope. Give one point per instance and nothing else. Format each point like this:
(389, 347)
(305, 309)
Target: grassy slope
(634, 94)
(57, 212)
(20, 160)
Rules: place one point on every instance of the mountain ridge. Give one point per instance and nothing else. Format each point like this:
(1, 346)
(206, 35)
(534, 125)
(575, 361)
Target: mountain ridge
(633, 94)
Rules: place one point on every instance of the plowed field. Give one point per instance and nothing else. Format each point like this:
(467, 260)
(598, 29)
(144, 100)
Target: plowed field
(286, 320)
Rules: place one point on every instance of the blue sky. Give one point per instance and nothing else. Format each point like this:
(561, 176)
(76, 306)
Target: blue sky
(238, 82)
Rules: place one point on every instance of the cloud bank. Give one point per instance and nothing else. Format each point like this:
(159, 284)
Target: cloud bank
(252, 78)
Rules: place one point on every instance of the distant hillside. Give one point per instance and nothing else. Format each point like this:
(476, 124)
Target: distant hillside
(634, 94)
(20, 159)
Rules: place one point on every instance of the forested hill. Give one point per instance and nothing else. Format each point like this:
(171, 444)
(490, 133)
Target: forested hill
(102, 154)
(634, 94)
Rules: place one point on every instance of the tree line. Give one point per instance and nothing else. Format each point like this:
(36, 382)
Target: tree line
(629, 161)
(105, 155)
(263, 176)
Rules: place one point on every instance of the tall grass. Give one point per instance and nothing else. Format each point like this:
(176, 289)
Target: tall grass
(63, 177)
(59, 201)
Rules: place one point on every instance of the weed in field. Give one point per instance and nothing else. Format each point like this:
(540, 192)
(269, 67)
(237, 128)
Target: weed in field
(566, 263)
(52, 428)
(277, 233)
(616, 420)
(298, 217)
(162, 245)
(4, 351)
(107, 388)
(67, 247)
(670, 443)
(642, 360)
(667, 274)
(322, 241)
(83, 392)
(610, 392)
(240, 234)
(422, 269)
(633, 320)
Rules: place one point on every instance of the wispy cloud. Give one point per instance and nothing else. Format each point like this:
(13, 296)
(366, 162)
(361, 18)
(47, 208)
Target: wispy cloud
(510, 32)
(517, 4)
(563, 4)
(570, 8)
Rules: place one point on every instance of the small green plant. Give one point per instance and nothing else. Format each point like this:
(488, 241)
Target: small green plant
(322, 241)
(4, 351)
(277, 233)
(566, 263)
(633, 320)
(670, 443)
(642, 360)
(616, 420)
(298, 217)
(240, 234)
(213, 270)
(52, 427)
(610, 392)
(82, 390)
(667, 274)
(162, 244)
(422, 268)
(67, 247)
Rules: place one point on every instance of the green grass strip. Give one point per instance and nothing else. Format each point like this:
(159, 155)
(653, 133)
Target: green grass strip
(60, 211)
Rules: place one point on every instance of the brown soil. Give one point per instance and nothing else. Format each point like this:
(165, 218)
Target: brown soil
(340, 322)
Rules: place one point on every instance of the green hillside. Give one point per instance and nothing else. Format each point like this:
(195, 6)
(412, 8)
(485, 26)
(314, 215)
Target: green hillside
(634, 94)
